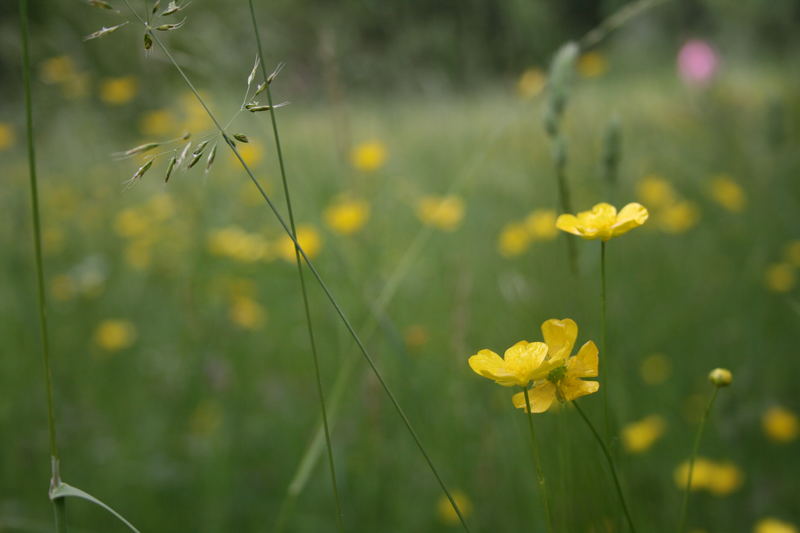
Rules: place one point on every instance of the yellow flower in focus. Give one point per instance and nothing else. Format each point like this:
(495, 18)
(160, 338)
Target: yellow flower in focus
(719, 479)
(531, 83)
(346, 216)
(792, 253)
(416, 336)
(115, 334)
(780, 277)
(780, 424)
(562, 375)
(158, 123)
(592, 64)
(638, 437)
(6, 136)
(773, 525)
(655, 369)
(57, 70)
(443, 212)
(447, 513)
(118, 91)
(368, 156)
(678, 217)
(603, 221)
(728, 194)
(520, 364)
(309, 240)
(247, 313)
(514, 239)
(541, 224)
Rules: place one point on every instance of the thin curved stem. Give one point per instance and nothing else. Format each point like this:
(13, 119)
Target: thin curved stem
(611, 466)
(59, 506)
(301, 276)
(695, 447)
(537, 461)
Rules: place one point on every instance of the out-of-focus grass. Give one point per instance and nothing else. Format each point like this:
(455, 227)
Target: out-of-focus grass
(195, 403)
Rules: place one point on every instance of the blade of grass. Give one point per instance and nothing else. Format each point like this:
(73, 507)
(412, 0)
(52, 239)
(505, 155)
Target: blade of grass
(59, 506)
(301, 276)
(328, 294)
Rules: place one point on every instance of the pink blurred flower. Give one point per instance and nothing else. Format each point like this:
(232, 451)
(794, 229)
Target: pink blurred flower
(697, 62)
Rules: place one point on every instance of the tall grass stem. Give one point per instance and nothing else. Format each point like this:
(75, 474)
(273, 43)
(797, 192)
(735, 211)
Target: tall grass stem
(603, 333)
(537, 461)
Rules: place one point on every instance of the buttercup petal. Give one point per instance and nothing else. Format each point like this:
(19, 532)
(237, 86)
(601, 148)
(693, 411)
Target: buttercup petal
(585, 363)
(573, 388)
(560, 337)
(541, 397)
(490, 365)
(568, 223)
(524, 358)
(631, 216)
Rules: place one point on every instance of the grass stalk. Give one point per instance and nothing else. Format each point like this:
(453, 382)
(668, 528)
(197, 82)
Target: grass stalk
(59, 504)
(695, 448)
(317, 276)
(300, 274)
(537, 461)
(611, 466)
(603, 333)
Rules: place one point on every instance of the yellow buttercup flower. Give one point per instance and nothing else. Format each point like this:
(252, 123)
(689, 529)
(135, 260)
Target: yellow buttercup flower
(563, 374)
(780, 277)
(238, 244)
(368, 156)
(728, 193)
(677, 217)
(780, 424)
(309, 240)
(447, 513)
(6, 136)
(57, 69)
(719, 478)
(655, 191)
(252, 153)
(541, 224)
(603, 221)
(514, 239)
(531, 83)
(520, 364)
(247, 313)
(114, 334)
(159, 122)
(347, 215)
(443, 212)
(638, 437)
(118, 91)
(592, 64)
(773, 525)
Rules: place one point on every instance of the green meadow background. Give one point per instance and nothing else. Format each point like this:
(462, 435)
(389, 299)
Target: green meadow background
(184, 386)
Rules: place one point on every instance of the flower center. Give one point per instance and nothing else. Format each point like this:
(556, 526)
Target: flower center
(557, 374)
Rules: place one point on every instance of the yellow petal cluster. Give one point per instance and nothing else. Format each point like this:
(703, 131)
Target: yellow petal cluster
(531, 83)
(516, 237)
(773, 525)
(519, 365)
(727, 193)
(118, 91)
(603, 221)
(639, 436)
(369, 156)
(346, 215)
(780, 424)
(718, 478)
(441, 212)
(114, 334)
(671, 213)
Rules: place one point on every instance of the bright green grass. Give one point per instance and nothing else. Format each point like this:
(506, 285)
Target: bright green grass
(200, 424)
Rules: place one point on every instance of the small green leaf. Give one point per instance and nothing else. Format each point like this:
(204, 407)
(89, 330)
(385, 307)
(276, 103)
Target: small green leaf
(67, 491)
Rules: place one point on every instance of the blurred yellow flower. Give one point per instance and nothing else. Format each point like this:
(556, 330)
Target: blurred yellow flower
(773, 525)
(252, 153)
(131, 222)
(531, 83)
(197, 119)
(247, 313)
(57, 69)
(780, 424)
(447, 514)
(443, 212)
(655, 191)
(718, 478)
(655, 369)
(62, 287)
(564, 381)
(592, 64)
(791, 253)
(416, 336)
(728, 193)
(780, 277)
(347, 215)
(235, 243)
(368, 156)
(677, 217)
(118, 91)
(514, 239)
(603, 221)
(114, 334)
(639, 436)
(158, 123)
(309, 240)
(7, 136)
(139, 253)
(541, 224)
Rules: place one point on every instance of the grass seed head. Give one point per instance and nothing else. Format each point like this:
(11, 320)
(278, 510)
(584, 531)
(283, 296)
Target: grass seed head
(104, 31)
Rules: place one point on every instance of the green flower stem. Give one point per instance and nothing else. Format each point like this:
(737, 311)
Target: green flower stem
(604, 355)
(537, 461)
(59, 506)
(611, 466)
(695, 447)
(301, 276)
